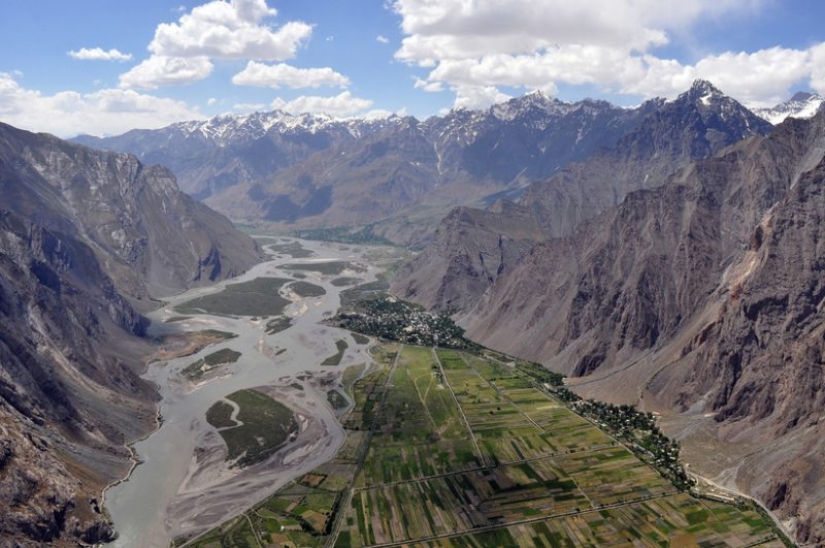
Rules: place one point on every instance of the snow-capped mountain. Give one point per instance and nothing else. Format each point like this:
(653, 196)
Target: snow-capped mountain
(210, 155)
(801, 105)
(524, 139)
(229, 128)
(319, 171)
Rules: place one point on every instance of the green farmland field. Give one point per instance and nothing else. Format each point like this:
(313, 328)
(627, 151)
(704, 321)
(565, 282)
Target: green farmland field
(258, 297)
(265, 426)
(448, 448)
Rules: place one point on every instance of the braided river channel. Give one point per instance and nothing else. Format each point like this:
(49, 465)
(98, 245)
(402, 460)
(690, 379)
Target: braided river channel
(182, 484)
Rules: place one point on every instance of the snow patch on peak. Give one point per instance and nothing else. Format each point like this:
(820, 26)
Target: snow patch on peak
(801, 105)
(701, 92)
(225, 127)
(532, 102)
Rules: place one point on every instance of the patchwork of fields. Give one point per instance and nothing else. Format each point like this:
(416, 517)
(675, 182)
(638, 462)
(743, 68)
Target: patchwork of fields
(447, 448)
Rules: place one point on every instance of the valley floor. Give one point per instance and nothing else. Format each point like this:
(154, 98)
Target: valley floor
(450, 448)
(184, 484)
(394, 444)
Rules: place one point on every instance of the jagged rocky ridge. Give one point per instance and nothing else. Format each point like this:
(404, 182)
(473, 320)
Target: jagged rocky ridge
(478, 245)
(701, 298)
(85, 237)
(399, 172)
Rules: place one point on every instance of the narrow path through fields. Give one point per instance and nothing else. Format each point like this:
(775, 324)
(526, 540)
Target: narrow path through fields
(490, 528)
(346, 499)
(502, 394)
(481, 456)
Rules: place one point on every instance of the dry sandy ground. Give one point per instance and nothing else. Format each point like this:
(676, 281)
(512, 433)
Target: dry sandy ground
(213, 492)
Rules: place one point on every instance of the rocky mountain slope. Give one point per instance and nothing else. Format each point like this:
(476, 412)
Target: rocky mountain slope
(230, 150)
(697, 124)
(700, 299)
(399, 172)
(69, 400)
(85, 237)
(149, 236)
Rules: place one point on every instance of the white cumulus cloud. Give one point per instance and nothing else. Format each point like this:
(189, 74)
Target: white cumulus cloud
(477, 97)
(104, 112)
(283, 75)
(229, 31)
(249, 107)
(158, 71)
(99, 54)
(183, 52)
(818, 68)
(342, 105)
(431, 86)
(758, 79)
(476, 48)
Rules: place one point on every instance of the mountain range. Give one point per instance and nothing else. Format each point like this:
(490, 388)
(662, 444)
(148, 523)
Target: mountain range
(472, 247)
(398, 175)
(88, 240)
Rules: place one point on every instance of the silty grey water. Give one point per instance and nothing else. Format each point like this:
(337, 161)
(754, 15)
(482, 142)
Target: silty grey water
(139, 506)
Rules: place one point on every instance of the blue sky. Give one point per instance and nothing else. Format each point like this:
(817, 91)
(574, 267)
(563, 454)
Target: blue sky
(103, 67)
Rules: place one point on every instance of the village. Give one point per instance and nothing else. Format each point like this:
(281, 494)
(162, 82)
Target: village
(391, 319)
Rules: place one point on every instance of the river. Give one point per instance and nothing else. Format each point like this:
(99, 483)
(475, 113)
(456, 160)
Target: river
(171, 492)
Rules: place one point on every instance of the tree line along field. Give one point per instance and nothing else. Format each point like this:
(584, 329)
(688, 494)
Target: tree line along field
(452, 448)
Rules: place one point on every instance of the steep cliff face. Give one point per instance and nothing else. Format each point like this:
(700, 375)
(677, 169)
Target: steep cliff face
(85, 237)
(70, 397)
(761, 367)
(149, 237)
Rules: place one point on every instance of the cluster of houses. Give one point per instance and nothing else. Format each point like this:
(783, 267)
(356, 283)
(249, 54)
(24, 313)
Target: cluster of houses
(391, 319)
